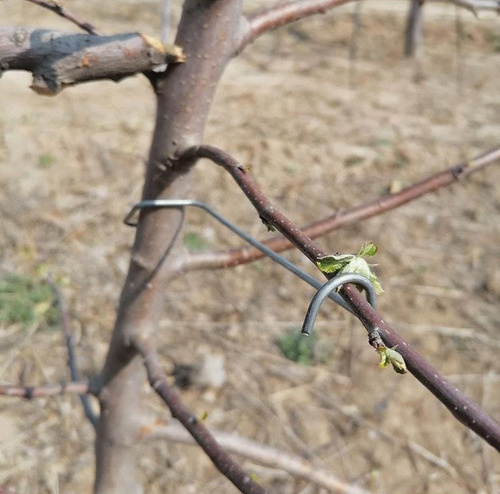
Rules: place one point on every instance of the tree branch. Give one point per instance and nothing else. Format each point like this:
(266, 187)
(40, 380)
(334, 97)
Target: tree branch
(244, 255)
(64, 12)
(30, 392)
(72, 363)
(225, 464)
(58, 60)
(263, 21)
(475, 5)
(462, 407)
(207, 33)
(263, 455)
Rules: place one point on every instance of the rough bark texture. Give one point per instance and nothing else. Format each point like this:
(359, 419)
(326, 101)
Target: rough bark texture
(58, 59)
(206, 32)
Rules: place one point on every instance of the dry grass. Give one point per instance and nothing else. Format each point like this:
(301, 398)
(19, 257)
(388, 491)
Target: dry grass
(72, 166)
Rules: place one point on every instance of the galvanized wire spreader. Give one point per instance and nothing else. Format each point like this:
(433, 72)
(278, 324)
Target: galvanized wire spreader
(324, 290)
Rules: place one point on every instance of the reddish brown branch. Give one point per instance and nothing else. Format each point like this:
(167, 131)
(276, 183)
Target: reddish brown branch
(64, 12)
(226, 465)
(280, 15)
(244, 255)
(462, 407)
(30, 392)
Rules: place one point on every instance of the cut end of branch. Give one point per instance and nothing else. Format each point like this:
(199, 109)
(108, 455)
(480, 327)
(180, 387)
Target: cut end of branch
(172, 53)
(44, 87)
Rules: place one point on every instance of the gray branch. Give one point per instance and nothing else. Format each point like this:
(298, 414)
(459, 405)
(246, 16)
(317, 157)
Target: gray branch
(475, 5)
(58, 59)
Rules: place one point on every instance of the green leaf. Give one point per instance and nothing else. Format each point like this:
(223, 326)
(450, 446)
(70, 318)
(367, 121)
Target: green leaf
(368, 250)
(376, 285)
(359, 266)
(349, 263)
(332, 264)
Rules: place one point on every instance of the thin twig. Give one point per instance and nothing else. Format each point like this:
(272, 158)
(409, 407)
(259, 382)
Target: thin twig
(225, 464)
(353, 45)
(476, 5)
(263, 455)
(358, 419)
(263, 21)
(462, 407)
(459, 55)
(30, 392)
(70, 16)
(244, 255)
(72, 363)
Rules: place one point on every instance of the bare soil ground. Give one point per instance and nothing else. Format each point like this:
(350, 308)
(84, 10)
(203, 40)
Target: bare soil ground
(321, 134)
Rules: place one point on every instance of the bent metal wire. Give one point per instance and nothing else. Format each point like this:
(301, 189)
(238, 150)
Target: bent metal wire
(329, 287)
(324, 290)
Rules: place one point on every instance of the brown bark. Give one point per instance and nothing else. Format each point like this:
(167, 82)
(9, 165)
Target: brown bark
(206, 32)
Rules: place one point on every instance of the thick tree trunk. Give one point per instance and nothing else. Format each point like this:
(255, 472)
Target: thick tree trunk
(207, 33)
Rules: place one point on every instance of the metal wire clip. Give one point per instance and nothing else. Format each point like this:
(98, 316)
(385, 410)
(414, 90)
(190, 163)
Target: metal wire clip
(326, 291)
(181, 203)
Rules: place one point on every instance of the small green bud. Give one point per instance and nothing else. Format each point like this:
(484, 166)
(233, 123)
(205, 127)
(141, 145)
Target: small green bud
(368, 250)
(390, 356)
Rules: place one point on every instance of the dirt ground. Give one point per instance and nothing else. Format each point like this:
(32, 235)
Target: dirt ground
(321, 133)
